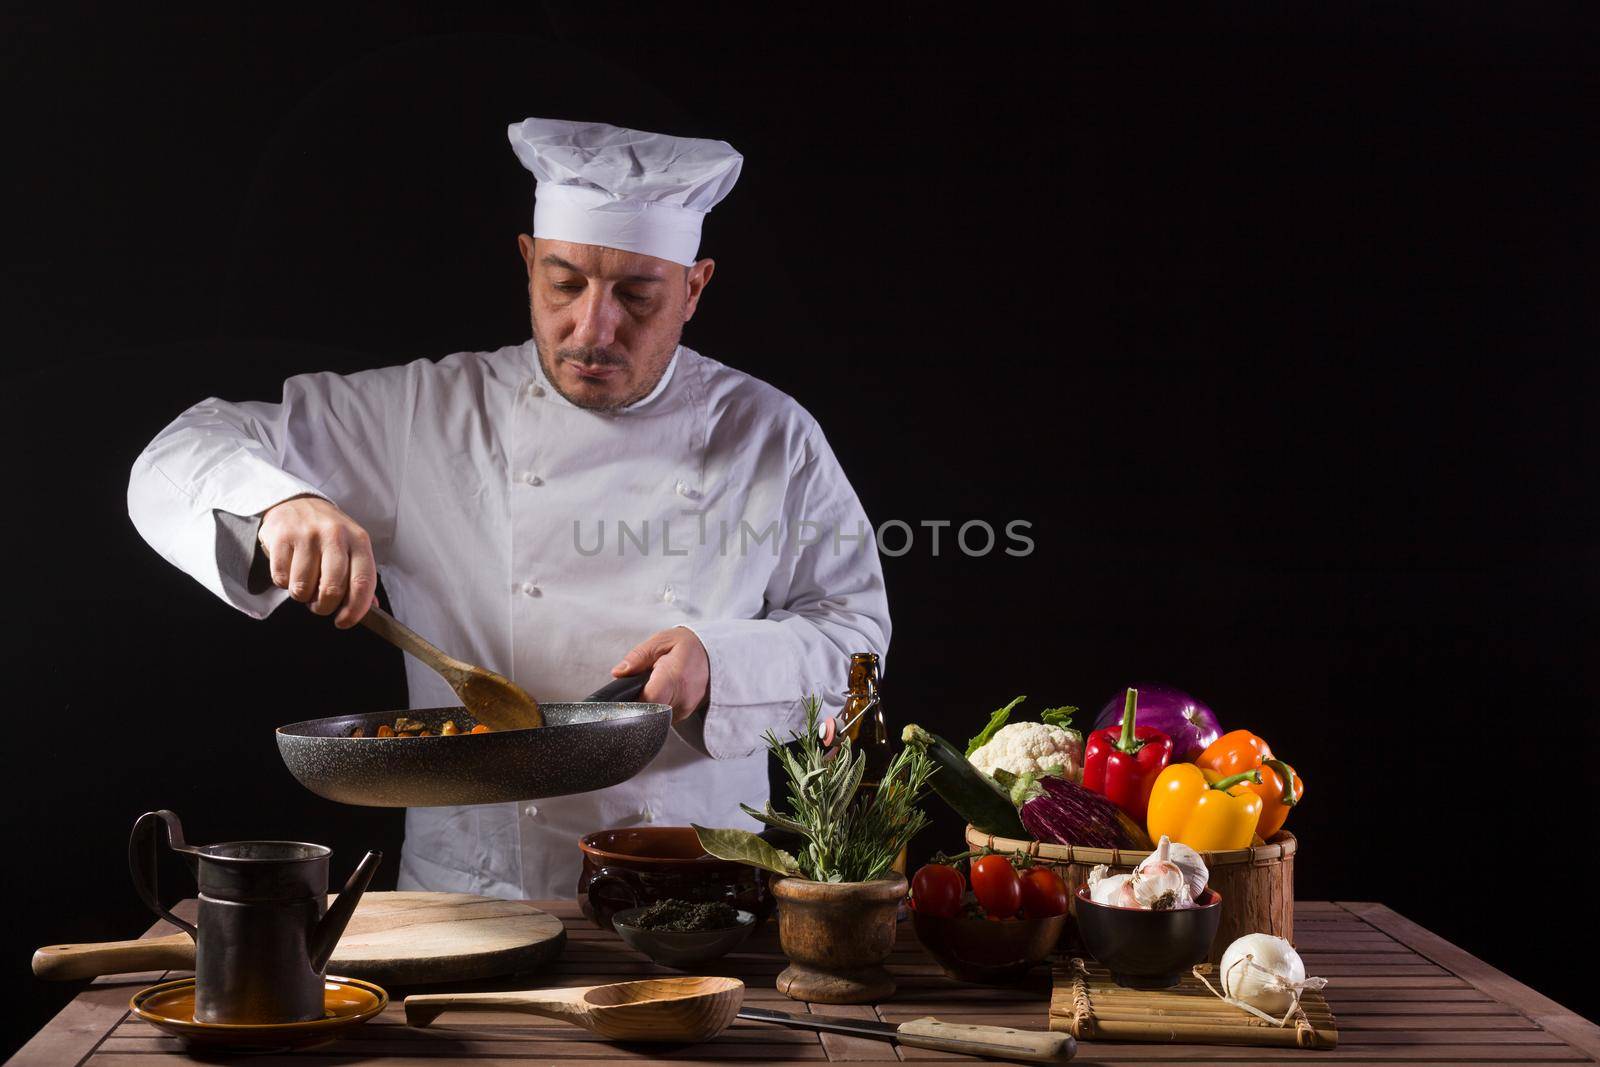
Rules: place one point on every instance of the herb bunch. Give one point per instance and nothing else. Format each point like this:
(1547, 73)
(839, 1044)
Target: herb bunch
(849, 836)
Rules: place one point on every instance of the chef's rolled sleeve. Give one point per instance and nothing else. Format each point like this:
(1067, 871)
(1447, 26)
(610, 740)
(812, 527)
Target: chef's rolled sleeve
(826, 600)
(202, 531)
(197, 492)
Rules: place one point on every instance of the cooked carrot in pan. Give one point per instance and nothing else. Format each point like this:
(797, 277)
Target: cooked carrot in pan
(405, 726)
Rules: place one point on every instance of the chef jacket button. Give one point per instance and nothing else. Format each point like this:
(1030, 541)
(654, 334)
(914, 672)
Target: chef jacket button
(535, 389)
(647, 815)
(529, 589)
(669, 595)
(532, 478)
(531, 810)
(683, 489)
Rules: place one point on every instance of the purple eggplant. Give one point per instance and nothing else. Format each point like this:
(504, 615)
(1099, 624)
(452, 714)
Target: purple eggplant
(1067, 814)
(1189, 723)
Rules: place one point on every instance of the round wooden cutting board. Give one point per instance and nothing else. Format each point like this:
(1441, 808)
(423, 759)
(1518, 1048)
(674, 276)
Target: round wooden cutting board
(393, 939)
(420, 938)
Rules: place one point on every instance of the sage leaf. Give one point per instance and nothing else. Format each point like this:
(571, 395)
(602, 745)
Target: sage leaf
(773, 819)
(846, 788)
(742, 846)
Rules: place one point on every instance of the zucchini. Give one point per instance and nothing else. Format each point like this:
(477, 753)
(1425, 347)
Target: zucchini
(975, 796)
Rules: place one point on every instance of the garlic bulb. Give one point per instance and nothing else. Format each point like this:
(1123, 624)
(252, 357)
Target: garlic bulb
(1113, 890)
(1194, 868)
(1159, 883)
(1265, 973)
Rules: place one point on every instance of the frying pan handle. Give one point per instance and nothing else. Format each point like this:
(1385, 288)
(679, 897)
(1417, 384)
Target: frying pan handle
(620, 691)
(142, 862)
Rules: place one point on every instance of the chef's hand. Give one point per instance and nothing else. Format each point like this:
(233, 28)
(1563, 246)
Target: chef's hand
(322, 556)
(680, 672)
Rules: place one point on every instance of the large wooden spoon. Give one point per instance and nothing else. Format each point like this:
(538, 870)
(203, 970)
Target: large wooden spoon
(656, 1009)
(493, 699)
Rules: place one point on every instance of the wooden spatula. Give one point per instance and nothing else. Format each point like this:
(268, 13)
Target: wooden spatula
(493, 699)
(656, 1009)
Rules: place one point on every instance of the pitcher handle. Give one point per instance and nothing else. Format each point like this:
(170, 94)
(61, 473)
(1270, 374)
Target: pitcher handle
(142, 862)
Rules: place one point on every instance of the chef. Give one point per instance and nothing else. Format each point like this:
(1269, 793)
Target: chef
(597, 501)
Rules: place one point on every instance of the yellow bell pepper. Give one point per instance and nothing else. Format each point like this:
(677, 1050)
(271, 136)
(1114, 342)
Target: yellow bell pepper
(1281, 786)
(1204, 810)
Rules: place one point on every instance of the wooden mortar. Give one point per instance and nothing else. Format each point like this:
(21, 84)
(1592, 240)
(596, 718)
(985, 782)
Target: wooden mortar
(837, 936)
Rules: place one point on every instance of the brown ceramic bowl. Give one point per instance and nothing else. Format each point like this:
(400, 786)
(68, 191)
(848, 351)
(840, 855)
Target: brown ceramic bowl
(640, 865)
(984, 951)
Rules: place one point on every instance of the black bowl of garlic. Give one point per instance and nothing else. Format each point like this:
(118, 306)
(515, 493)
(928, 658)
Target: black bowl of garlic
(1150, 927)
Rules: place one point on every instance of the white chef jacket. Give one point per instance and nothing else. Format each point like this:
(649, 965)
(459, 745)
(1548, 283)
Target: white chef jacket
(518, 531)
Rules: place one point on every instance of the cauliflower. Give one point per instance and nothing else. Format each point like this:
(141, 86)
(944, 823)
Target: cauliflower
(1030, 748)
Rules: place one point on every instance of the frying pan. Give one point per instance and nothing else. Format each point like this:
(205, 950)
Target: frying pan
(584, 745)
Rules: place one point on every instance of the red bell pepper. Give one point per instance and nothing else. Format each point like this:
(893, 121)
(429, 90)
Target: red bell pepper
(1122, 763)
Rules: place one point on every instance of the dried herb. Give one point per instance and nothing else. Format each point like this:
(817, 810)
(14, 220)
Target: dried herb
(680, 916)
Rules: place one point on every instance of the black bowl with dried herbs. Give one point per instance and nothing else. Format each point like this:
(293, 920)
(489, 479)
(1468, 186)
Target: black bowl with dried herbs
(680, 933)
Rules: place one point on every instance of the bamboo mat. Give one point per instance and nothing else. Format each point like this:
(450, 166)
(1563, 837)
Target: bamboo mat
(1088, 1004)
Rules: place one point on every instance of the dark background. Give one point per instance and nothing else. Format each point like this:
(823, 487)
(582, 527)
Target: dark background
(1278, 325)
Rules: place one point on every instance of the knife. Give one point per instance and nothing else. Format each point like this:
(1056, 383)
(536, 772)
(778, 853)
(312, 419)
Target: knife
(991, 1042)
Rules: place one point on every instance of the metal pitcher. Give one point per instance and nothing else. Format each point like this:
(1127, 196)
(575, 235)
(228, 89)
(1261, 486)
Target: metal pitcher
(265, 930)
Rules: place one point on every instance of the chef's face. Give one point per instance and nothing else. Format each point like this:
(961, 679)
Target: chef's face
(606, 322)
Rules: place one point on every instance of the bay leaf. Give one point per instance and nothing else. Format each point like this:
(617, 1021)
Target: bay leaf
(742, 846)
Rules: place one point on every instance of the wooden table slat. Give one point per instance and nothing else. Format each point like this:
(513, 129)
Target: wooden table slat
(80, 1026)
(1563, 1022)
(844, 1048)
(1401, 994)
(1127, 1052)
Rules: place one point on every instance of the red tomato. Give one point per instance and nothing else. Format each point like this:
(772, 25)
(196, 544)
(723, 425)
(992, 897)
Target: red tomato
(937, 890)
(1043, 893)
(997, 886)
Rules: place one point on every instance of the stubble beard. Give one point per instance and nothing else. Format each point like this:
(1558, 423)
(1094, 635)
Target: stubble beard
(599, 357)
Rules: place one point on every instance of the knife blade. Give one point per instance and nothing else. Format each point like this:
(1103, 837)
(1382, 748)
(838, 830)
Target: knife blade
(828, 1024)
(993, 1042)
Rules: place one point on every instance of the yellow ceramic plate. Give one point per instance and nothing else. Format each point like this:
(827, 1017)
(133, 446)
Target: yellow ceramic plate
(347, 1002)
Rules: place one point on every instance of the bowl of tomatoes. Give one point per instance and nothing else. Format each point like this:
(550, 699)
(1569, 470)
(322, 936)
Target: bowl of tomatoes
(1000, 928)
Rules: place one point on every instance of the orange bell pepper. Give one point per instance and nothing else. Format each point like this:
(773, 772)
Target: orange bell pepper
(1281, 788)
(1204, 810)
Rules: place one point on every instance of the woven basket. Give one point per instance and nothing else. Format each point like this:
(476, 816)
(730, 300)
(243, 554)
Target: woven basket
(1257, 884)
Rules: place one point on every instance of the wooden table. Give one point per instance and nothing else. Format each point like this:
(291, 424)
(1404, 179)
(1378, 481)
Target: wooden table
(1402, 995)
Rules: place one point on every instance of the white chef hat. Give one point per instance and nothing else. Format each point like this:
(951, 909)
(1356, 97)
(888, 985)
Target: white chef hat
(627, 189)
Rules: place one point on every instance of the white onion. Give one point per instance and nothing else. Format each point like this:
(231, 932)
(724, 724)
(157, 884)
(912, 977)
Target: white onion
(1264, 972)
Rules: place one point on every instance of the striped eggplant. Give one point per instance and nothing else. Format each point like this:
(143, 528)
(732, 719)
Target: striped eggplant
(1067, 814)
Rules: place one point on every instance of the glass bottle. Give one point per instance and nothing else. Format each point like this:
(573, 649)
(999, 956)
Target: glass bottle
(863, 722)
(862, 718)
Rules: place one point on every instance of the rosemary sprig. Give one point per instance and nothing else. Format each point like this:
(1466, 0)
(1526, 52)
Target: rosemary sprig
(848, 837)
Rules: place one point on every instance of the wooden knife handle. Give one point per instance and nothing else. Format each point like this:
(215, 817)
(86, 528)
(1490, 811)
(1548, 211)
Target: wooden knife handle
(993, 1042)
(63, 963)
